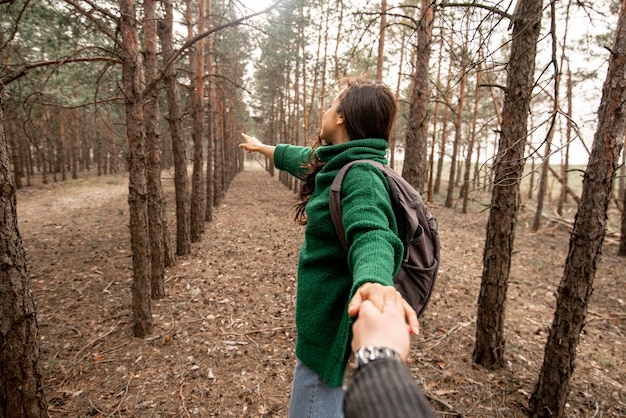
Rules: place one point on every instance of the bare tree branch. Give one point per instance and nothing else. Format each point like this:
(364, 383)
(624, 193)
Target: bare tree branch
(203, 35)
(99, 24)
(17, 22)
(24, 69)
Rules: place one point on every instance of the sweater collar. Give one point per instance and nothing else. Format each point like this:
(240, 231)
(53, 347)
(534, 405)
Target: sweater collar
(367, 148)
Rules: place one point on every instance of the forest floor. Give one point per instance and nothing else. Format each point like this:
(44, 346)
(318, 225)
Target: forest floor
(223, 341)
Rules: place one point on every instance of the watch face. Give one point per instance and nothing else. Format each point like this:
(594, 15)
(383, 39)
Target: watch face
(368, 354)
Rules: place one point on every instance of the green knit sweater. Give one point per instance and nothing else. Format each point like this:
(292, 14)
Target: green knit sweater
(327, 278)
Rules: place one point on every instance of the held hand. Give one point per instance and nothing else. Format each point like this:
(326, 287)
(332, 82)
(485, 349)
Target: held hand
(385, 328)
(378, 295)
(252, 144)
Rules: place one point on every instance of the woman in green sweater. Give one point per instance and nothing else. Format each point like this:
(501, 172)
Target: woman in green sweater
(331, 285)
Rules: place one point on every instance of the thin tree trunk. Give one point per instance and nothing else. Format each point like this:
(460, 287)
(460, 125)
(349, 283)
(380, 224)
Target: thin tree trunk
(394, 138)
(196, 63)
(531, 178)
(622, 239)
(458, 122)
(338, 41)
(550, 395)
(181, 183)
(44, 145)
(433, 144)
(212, 191)
(444, 122)
(16, 153)
(75, 143)
(381, 40)
(415, 168)
(505, 201)
(568, 139)
(470, 144)
(137, 201)
(543, 181)
(153, 148)
(322, 105)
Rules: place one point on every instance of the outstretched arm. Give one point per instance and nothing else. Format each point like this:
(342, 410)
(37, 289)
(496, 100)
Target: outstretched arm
(253, 144)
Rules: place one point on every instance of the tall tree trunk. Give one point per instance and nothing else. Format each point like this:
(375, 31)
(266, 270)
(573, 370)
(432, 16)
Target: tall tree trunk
(394, 137)
(153, 148)
(470, 143)
(433, 144)
(75, 143)
(338, 40)
(381, 40)
(16, 153)
(415, 168)
(458, 121)
(22, 394)
(568, 129)
(217, 144)
(622, 239)
(196, 61)
(574, 291)
(322, 105)
(138, 191)
(43, 145)
(446, 115)
(181, 183)
(531, 178)
(505, 200)
(211, 161)
(568, 136)
(543, 181)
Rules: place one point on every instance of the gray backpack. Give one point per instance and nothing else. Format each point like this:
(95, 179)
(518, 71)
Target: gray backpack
(417, 228)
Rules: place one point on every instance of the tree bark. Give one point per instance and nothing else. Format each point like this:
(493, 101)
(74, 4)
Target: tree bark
(381, 41)
(574, 291)
(137, 196)
(196, 61)
(458, 121)
(22, 394)
(543, 180)
(212, 192)
(433, 144)
(444, 122)
(505, 201)
(153, 146)
(470, 143)
(415, 168)
(181, 183)
(622, 239)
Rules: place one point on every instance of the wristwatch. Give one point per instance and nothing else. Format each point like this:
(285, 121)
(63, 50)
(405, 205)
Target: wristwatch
(368, 354)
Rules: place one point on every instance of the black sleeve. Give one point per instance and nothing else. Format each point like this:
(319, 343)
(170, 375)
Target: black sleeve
(385, 388)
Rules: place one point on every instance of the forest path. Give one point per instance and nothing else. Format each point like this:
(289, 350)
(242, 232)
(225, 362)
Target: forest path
(224, 336)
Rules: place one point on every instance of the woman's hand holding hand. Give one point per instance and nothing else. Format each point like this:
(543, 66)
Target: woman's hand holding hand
(385, 328)
(378, 295)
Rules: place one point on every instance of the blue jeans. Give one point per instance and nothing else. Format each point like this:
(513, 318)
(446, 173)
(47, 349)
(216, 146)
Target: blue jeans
(311, 397)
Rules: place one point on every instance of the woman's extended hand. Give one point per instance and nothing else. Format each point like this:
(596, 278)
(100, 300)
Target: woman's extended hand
(252, 143)
(378, 295)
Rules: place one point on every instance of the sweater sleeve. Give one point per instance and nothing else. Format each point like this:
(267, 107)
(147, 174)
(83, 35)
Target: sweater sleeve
(292, 158)
(385, 388)
(375, 252)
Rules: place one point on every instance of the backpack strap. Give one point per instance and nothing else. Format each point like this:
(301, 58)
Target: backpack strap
(335, 198)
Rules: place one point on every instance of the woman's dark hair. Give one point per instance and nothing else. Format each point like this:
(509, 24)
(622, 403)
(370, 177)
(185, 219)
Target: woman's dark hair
(369, 111)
